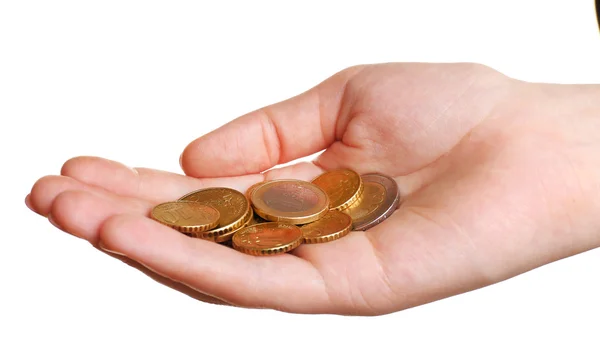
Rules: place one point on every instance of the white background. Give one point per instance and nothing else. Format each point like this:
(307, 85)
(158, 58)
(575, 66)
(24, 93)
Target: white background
(135, 81)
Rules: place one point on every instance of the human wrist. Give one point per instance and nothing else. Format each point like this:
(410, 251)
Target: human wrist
(573, 111)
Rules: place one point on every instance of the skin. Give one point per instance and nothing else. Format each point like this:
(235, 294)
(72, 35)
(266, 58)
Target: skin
(497, 176)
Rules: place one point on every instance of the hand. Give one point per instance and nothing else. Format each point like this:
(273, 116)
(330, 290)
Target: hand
(497, 177)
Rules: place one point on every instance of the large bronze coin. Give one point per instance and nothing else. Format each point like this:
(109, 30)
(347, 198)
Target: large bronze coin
(332, 226)
(231, 204)
(267, 239)
(379, 200)
(291, 201)
(343, 187)
(186, 216)
(252, 188)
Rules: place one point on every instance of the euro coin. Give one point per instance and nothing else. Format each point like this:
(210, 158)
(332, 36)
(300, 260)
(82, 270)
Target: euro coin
(343, 187)
(291, 201)
(252, 188)
(267, 238)
(186, 216)
(221, 238)
(232, 205)
(332, 226)
(379, 200)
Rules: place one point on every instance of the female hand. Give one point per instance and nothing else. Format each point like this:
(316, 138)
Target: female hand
(496, 176)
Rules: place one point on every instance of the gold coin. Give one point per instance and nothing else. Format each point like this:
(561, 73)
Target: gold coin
(332, 226)
(267, 238)
(227, 236)
(220, 238)
(186, 216)
(291, 201)
(343, 187)
(252, 188)
(372, 198)
(232, 205)
(379, 201)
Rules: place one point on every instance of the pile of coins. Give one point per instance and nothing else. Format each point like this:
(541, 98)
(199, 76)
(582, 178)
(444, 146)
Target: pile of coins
(279, 215)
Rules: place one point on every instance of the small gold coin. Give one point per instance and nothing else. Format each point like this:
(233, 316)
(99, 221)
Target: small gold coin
(372, 198)
(378, 202)
(232, 205)
(227, 236)
(186, 216)
(267, 238)
(332, 226)
(291, 201)
(343, 187)
(220, 238)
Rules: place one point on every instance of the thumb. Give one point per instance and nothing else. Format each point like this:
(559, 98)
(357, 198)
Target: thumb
(272, 135)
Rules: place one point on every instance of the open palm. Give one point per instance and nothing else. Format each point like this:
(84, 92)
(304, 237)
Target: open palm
(490, 183)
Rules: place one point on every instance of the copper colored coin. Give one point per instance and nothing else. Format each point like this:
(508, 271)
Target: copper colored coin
(332, 226)
(232, 205)
(291, 201)
(343, 187)
(379, 200)
(186, 216)
(267, 238)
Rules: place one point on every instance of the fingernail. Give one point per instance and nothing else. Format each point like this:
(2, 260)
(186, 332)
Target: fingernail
(103, 247)
(28, 202)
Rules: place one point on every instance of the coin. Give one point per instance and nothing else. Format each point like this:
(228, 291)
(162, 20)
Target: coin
(220, 234)
(343, 187)
(252, 188)
(379, 200)
(186, 216)
(221, 238)
(292, 201)
(332, 226)
(232, 205)
(267, 238)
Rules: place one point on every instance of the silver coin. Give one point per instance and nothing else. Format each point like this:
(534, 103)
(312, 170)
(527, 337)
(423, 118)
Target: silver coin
(379, 200)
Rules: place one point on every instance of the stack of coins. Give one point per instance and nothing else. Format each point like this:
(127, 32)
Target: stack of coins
(279, 215)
